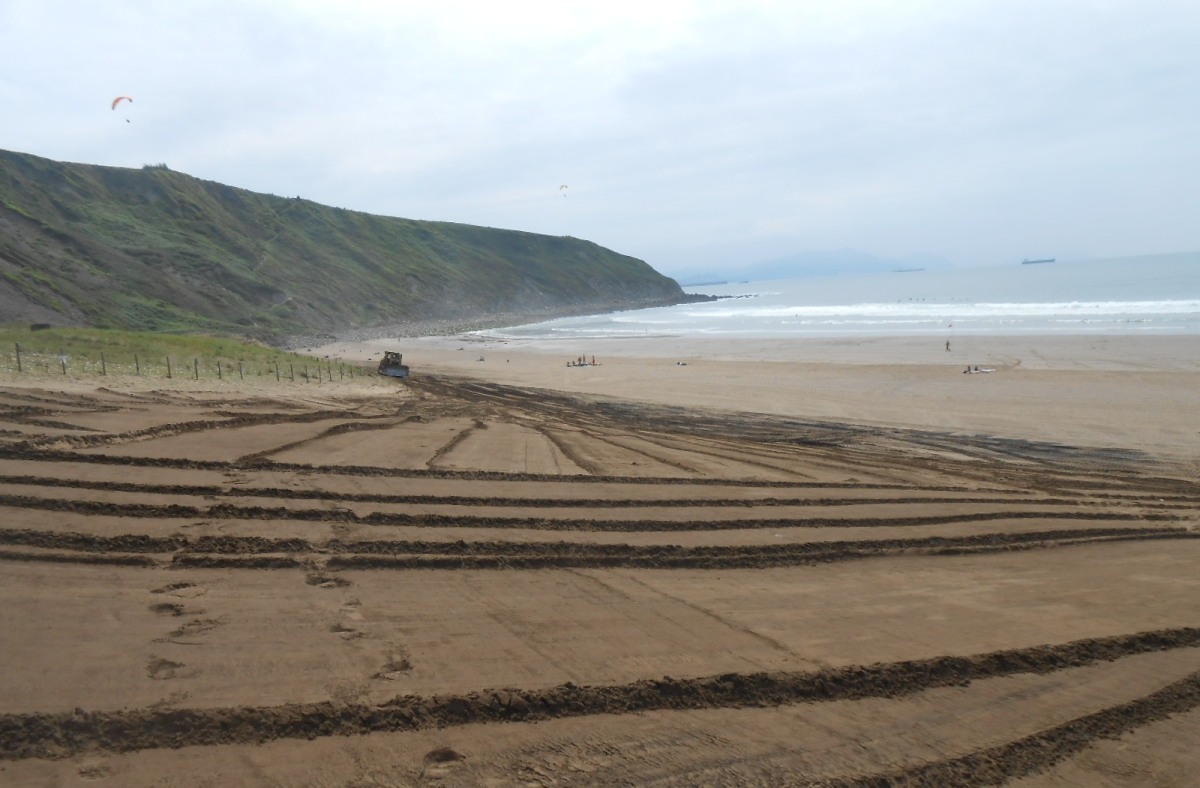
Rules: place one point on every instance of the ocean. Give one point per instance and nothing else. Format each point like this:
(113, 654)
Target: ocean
(1151, 295)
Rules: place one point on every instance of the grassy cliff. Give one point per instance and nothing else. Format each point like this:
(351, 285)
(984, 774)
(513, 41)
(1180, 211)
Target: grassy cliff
(156, 250)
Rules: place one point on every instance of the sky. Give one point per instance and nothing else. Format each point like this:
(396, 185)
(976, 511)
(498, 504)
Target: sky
(696, 135)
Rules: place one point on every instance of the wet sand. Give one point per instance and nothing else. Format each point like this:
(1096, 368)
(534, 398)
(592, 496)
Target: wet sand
(695, 562)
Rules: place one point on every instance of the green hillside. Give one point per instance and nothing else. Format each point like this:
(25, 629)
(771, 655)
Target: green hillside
(156, 250)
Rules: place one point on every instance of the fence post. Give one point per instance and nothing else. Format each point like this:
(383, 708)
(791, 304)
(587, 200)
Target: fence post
(103, 366)
(220, 375)
(277, 370)
(240, 371)
(18, 357)
(196, 368)
(62, 359)
(292, 371)
(168, 367)
(137, 365)
(307, 379)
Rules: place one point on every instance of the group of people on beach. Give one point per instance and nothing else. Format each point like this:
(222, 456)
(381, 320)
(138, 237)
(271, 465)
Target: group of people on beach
(969, 370)
(582, 361)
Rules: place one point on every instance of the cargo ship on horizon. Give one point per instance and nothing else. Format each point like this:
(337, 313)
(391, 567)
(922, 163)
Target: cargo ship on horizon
(1035, 262)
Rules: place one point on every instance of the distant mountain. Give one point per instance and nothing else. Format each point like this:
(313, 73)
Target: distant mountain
(157, 250)
(809, 264)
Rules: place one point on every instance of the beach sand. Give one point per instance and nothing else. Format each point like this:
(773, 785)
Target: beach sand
(1128, 392)
(697, 561)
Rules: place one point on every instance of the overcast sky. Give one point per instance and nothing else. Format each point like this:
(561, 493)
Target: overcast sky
(694, 135)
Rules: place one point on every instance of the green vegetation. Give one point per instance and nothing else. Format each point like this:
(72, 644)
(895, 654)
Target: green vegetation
(90, 350)
(151, 249)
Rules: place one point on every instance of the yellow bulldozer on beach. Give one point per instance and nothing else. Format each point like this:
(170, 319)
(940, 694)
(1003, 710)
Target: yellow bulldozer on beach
(392, 365)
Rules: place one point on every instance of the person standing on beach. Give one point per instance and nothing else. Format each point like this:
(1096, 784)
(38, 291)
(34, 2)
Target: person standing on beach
(947, 346)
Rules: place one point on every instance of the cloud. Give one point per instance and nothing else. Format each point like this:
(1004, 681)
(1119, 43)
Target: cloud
(718, 132)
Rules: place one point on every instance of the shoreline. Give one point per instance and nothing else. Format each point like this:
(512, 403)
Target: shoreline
(1176, 352)
(434, 327)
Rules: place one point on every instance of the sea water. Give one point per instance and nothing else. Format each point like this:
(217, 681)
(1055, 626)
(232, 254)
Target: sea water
(1152, 295)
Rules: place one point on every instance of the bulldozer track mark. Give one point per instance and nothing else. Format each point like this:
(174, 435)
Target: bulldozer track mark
(1038, 752)
(623, 440)
(565, 449)
(450, 445)
(611, 440)
(337, 429)
(292, 531)
(78, 558)
(411, 554)
(235, 421)
(63, 735)
(51, 455)
(704, 448)
(226, 511)
(726, 449)
(290, 493)
(771, 429)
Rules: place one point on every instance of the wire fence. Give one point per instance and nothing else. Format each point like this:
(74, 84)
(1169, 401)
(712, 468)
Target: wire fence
(23, 359)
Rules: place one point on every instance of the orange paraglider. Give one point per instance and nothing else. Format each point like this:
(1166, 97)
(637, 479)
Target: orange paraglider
(119, 99)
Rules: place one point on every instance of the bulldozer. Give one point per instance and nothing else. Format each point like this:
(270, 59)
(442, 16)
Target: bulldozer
(392, 365)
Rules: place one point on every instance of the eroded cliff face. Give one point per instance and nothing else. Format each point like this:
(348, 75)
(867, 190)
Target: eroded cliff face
(153, 249)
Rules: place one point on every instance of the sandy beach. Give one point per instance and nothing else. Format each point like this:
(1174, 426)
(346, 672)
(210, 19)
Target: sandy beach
(1131, 392)
(712, 562)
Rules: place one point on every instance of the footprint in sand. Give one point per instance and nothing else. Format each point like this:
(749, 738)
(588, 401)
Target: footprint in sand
(93, 769)
(348, 620)
(440, 762)
(160, 669)
(398, 665)
(191, 630)
(181, 590)
(173, 699)
(326, 581)
(345, 632)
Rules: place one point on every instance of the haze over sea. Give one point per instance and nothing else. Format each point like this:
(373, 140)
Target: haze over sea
(1149, 295)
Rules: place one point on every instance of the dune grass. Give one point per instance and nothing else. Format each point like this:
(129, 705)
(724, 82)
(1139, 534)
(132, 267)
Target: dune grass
(93, 351)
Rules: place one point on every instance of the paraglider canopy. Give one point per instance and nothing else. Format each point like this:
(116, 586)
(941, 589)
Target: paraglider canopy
(119, 99)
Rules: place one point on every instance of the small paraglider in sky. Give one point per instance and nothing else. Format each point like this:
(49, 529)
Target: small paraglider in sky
(560, 188)
(119, 99)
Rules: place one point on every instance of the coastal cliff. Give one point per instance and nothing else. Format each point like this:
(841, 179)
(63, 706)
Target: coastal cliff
(157, 250)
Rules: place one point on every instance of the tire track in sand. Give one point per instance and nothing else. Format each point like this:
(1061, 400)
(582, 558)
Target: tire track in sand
(62, 735)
